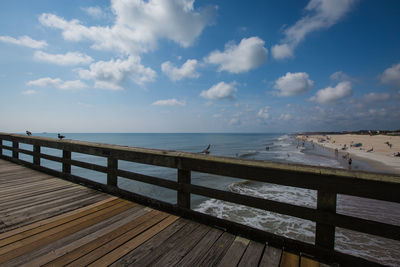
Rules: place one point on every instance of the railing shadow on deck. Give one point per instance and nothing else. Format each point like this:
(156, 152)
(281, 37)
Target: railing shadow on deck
(328, 182)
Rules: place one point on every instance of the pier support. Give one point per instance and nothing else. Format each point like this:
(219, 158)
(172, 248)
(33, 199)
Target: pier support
(112, 178)
(184, 177)
(324, 233)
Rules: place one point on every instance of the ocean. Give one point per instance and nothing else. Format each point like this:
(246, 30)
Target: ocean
(281, 148)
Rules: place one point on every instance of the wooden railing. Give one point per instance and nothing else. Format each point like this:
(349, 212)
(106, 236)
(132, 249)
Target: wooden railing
(328, 182)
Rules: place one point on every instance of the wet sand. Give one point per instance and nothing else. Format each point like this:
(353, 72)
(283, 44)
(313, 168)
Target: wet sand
(381, 157)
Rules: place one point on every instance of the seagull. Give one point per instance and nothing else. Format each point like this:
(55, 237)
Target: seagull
(60, 136)
(207, 150)
(28, 133)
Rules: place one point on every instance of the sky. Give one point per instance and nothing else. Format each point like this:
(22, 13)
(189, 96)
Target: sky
(199, 66)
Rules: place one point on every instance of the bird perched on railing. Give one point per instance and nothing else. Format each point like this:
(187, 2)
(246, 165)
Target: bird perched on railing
(60, 136)
(28, 133)
(207, 150)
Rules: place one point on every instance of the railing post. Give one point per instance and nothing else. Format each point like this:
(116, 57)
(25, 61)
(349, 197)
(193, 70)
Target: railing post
(183, 197)
(66, 165)
(36, 155)
(1, 147)
(112, 166)
(15, 153)
(324, 233)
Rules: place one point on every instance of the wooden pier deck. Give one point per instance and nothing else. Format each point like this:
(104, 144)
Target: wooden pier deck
(47, 221)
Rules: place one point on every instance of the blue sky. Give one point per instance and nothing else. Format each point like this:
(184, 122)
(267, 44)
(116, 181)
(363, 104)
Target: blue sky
(199, 66)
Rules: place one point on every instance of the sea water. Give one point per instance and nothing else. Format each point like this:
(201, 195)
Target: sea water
(271, 147)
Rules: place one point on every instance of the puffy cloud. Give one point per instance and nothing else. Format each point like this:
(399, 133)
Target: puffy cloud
(391, 76)
(333, 94)
(109, 74)
(339, 76)
(264, 112)
(375, 97)
(24, 41)
(282, 51)
(94, 11)
(248, 54)
(293, 84)
(285, 117)
(220, 90)
(29, 92)
(138, 25)
(58, 83)
(169, 102)
(70, 58)
(235, 121)
(187, 70)
(319, 14)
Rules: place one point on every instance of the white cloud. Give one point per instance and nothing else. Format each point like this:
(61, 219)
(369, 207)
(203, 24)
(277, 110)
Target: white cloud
(138, 25)
(282, 51)
(24, 41)
(94, 11)
(339, 76)
(391, 76)
(293, 84)
(57, 83)
(285, 117)
(187, 70)
(220, 90)
(375, 97)
(70, 58)
(333, 94)
(110, 74)
(319, 14)
(264, 112)
(169, 102)
(248, 54)
(29, 92)
(235, 122)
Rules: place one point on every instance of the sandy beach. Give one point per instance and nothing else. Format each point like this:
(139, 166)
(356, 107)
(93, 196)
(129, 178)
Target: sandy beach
(374, 149)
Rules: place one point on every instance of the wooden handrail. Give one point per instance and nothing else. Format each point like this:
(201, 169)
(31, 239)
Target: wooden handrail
(327, 181)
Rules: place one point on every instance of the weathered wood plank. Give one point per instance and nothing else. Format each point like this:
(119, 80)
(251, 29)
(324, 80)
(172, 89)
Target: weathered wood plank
(98, 247)
(289, 260)
(66, 244)
(53, 219)
(252, 255)
(307, 262)
(150, 245)
(218, 250)
(324, 233)
(169, 244)
(181, 249)
(184, 178)
(271, 257)
(134, 243)
(197, 253)
(235, 252)
(31, 243)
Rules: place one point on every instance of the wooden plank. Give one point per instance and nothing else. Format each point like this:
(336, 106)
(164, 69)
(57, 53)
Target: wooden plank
(271, 257)
(66, 166)
(193, 257)
(48, 224)
(115, 243)
(31, 243)
(289, 260)
(252, 255)
(178, 251)
(71, 242)
(218, 250)
(112, 167)
(169, 244)
(235, 252)
(84, 253)
(134, 243)
(52, 219)
(150, 245)
(307, 262)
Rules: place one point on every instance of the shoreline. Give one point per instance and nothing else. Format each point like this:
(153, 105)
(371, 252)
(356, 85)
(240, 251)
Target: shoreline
(381, 159)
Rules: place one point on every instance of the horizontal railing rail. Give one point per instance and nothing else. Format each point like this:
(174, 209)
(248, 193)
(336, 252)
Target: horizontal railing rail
(328, 182)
